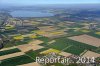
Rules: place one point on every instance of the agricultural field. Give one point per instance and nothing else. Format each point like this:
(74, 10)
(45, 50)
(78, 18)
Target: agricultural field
(51, 34)
(87, 40)
(45, 28)
(9, 27)
(23, 53)
(50, 51)
(16, 61)
(18, 42)
(94, 34)
(50, 31)
(11, 55)
(19, 37)
(5, 52)
(65, 54)
(67, 45)
(69, 35)
(91, 54)
(57, 40)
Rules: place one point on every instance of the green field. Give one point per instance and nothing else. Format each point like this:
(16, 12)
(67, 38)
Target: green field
(75, 50)
(16, 43)
(16, 61)
(70, 46)
(32, 54)
(59, 44)
(40, 50)
(9, 51)
(94, 35)
(45, 39)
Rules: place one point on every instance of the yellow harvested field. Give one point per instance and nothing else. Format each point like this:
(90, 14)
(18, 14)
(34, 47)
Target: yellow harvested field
(9, 26)
(91, 54)
(53, 34)
(33, 36)
(87, 40)
(50, 31)
(11, 55)
(31, 64)
(19, 37)
(98, 33)
(50, 51)
(85, 31)
(36, 42)
(65, 54)
(30, 35)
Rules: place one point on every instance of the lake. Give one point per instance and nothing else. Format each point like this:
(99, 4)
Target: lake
(23, 13)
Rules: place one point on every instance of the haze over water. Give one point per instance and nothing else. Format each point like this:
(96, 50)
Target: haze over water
(25, 13)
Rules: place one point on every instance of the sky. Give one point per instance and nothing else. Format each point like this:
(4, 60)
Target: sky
(34, 2)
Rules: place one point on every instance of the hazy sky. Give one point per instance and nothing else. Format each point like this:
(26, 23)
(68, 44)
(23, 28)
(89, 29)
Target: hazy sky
(34, 2)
